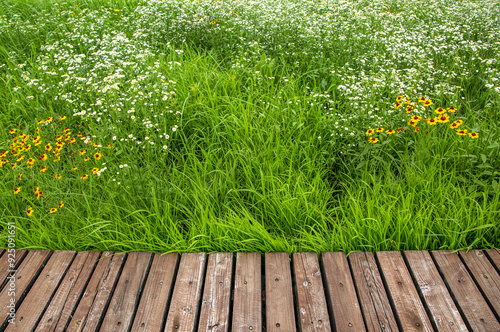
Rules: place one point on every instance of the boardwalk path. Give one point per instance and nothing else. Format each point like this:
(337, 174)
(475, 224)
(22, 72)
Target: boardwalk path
(141, 291)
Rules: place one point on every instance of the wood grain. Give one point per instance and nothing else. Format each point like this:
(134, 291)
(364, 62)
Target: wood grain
(127, 293)
(69, 292)
(485, 276)
(214, 313)
(92, 307)
(280, 314)
(372, 295)
(494, 255)
(247, 305)
(184, 306)
(21, 281)
(152, 310)
(33, 306)
(433, 289)
(341, 293)
(312, 309)
(475, 310)
(9, 262)
(407, 304)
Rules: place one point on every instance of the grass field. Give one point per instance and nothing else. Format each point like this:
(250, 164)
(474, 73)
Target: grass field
(277, 125)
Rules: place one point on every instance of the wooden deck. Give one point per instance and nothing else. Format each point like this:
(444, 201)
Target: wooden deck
(141, 291)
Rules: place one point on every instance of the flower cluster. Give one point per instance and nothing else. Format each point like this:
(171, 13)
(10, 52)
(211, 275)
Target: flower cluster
(431, 118)
(47, 153)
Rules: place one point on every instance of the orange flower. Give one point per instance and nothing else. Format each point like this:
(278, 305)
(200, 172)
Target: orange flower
(390, 132)
(412, 122)
(373, 140)
(451, 109)
(379, 130)
(84, 177)
(17, 190)
(97, 156)
(443, 118)
(473, 135)
(53, 210)
(60, 205)
(427, 102)
(462, 132)
(30, 211)
(440, 110)
(432, 121)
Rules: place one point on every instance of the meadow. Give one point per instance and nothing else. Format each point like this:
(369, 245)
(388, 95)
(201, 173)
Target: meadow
(245, 125)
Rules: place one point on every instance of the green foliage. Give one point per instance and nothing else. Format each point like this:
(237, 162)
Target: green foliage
(242, 125)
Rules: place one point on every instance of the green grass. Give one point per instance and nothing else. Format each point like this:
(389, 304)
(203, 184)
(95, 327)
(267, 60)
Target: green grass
(267, 147)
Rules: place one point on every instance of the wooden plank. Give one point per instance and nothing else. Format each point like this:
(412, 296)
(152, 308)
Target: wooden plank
(151, 313)
(69, 292)
(436, 296)
(9, 263)
(402, 291)
(247, 304)
(494, 255)
(341, 293)
(32, 307)
(214, 313)
(311, 301)
(474, 308)
(120, 313)
(280, 314)
(485, 276)
(184, 306)
(22, 281)
(372, 295)
(97, 295)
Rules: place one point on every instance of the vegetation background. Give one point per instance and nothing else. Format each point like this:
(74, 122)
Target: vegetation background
(275, 125)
